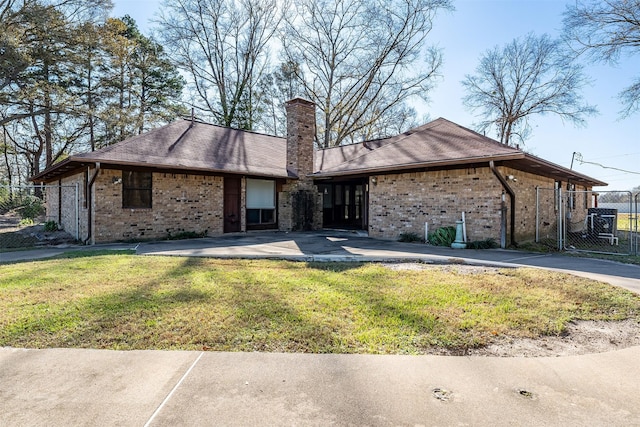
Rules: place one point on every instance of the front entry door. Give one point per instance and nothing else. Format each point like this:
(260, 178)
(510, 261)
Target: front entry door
(232, 192)
(345, 204)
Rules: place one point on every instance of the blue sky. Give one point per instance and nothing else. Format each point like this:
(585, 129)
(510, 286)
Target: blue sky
(478, 25)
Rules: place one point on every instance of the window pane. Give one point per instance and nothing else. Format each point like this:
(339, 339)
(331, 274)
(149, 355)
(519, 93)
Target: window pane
(253, 216)
(136, 189)
(132, 179)
(261, 194)
(327, 200)
(268, 216)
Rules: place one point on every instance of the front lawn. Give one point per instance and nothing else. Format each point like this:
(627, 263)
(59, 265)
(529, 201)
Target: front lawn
(123, 301)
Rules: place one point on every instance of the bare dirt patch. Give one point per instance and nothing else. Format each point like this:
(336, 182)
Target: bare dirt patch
(580, 337)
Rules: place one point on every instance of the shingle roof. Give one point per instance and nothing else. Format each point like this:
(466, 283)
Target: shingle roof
(194, 146)
(439, 142)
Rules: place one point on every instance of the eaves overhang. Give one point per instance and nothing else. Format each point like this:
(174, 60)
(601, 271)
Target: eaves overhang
(539, 166)
(417, 165)
(72, 164)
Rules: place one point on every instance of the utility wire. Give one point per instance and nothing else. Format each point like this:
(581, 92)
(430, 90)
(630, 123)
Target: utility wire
(579, 158)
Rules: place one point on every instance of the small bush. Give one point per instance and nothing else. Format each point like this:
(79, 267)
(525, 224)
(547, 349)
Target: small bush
(26, 222)
(31, 208)
(410, 237)
(50, 226)
(483, 244)
(185, 235)
(443, 236)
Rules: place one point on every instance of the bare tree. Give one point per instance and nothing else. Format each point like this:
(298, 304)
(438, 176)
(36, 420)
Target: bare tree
(275, 88)
(360, 60)
(528, 76)
(603, 30)
(221, 45)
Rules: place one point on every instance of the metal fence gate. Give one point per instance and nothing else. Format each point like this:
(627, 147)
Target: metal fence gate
(38, 205)
(574, 220)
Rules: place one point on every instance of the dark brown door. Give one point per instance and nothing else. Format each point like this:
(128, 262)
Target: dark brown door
(232, 190)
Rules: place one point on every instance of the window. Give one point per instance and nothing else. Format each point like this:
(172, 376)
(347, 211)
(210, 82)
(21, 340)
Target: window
(261, 201)
(136, 190)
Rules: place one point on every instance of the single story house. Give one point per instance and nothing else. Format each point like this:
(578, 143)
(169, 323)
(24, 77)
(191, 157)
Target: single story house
(195, 177)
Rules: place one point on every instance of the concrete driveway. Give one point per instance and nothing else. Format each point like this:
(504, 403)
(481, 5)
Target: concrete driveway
(347, 246)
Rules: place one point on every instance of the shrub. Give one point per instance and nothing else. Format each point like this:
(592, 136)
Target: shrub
(410, 237)
(443, 236)
(50, 226)
(31, 208)
(185, 235)
(483, 244)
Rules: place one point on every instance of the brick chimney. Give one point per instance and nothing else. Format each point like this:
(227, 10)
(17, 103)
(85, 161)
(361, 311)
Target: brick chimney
(301, 130)
(299, 203)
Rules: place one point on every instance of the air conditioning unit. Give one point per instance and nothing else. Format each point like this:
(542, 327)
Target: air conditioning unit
(602, 221)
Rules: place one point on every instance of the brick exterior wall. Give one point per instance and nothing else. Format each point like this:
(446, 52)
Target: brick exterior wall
(181, 203)
(525, 188)
(397, 203)
(404, 202)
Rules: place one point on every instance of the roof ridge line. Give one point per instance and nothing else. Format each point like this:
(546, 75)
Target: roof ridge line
(255, 132)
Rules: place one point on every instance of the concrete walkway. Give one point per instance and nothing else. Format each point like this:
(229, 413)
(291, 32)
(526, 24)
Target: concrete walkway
(159, 388)
(62, 387)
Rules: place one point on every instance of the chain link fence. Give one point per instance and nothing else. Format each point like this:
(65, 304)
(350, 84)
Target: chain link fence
(636, 226)
(38, 214)
(573, 220)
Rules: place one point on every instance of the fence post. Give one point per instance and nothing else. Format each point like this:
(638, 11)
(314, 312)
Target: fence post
(77, 213)
(503, 222)
(637, 236)
(560, 220)
(537, 214)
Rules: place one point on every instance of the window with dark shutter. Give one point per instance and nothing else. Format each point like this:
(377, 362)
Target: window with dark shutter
(136, 190)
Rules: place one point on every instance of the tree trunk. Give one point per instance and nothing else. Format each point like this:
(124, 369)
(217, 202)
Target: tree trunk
(47, 119)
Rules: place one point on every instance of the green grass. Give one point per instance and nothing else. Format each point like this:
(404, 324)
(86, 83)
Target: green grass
(628, 222)
(121, 301)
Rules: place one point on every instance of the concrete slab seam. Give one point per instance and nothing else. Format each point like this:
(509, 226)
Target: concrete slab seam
(173, 390)
(524, 257)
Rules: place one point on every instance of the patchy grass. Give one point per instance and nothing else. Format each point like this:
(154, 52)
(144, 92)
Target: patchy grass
(121, 301)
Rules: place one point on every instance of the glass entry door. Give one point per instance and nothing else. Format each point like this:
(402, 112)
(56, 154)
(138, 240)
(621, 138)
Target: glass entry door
(344, 204)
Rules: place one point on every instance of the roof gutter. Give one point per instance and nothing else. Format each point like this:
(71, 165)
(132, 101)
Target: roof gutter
(90, 203)
(512, 199)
